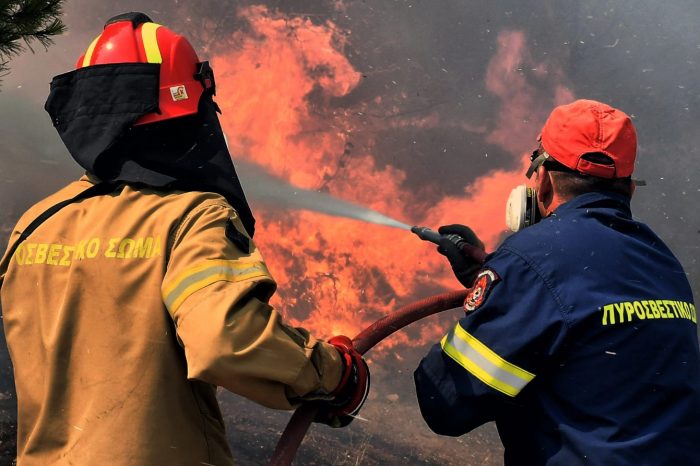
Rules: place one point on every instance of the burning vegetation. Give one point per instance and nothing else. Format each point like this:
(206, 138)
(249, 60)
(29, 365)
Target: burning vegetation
(420, 113)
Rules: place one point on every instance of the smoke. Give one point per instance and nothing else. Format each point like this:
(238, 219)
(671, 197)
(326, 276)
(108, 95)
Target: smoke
(418, 111)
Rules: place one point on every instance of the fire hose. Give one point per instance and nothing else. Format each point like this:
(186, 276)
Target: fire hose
(304, 415)
(301, 419)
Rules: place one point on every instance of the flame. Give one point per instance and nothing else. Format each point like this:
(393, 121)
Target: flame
(277, 89)
(265, 87)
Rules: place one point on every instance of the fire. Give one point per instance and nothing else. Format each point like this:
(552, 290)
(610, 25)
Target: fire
(336, 276)
(265, 87)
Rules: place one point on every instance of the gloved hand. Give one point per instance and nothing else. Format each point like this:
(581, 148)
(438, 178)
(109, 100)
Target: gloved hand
(465, 263)
(352, 390)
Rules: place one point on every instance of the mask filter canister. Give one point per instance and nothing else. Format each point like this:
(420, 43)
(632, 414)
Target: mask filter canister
(521, 208)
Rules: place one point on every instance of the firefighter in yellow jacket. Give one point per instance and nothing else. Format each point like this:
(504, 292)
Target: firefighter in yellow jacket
(129, 295)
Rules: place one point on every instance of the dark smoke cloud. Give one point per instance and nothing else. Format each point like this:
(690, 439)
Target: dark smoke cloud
(423, 107)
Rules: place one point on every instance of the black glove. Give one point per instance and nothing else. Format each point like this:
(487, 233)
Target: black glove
(466, 260)
(352, 390)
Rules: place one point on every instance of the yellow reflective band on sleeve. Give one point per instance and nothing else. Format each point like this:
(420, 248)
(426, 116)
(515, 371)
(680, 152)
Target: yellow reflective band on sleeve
(150, 42)
(483, 363)
(202, 275)
(88, 53)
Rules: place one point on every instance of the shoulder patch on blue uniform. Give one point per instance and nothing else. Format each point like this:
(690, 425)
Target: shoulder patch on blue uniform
(483, 283)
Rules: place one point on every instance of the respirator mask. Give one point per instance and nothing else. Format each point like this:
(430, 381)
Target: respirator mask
(521, 207)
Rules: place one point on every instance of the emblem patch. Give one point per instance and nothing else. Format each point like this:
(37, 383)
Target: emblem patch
(483, 283)
(178, 93)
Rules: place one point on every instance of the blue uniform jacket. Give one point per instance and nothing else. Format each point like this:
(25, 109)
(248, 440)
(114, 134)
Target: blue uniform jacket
(582, 346)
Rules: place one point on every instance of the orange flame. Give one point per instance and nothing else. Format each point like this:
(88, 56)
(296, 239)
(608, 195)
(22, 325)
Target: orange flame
(336, 276)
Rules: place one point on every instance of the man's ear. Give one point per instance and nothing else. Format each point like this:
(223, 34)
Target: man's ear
(543, 184)
(545, 191)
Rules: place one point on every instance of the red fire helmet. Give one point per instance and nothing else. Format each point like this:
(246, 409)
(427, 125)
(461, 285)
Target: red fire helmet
(134, 38)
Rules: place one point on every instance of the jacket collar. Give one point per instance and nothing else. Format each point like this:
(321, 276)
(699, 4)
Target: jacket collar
(596, 200)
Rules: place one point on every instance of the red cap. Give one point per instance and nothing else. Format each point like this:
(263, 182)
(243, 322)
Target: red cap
(587, 126)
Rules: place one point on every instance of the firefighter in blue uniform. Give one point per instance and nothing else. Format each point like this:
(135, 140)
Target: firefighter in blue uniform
(580, 335)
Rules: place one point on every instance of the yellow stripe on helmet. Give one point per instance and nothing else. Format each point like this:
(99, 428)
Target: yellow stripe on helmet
(150, 43)
(90, 50)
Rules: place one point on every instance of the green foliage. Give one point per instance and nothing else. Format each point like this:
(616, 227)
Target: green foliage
(22, 22)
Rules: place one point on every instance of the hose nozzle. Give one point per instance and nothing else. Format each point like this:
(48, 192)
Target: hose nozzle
(426, 234)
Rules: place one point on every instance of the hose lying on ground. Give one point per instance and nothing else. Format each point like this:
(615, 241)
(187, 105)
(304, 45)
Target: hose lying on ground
(301, 419)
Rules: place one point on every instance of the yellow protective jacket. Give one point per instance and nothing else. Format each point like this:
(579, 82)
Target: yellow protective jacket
(122, 314)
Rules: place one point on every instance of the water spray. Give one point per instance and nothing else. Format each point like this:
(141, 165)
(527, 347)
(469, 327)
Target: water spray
(268, 189)
(265, 188)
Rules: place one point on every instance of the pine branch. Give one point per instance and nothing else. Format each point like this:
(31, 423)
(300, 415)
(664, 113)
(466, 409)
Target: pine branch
(23, 22)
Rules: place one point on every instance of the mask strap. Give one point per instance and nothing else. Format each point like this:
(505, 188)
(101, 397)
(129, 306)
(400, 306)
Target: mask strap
(539, 160)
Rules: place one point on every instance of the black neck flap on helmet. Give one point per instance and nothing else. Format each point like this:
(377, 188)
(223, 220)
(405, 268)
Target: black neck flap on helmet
(94, 109)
